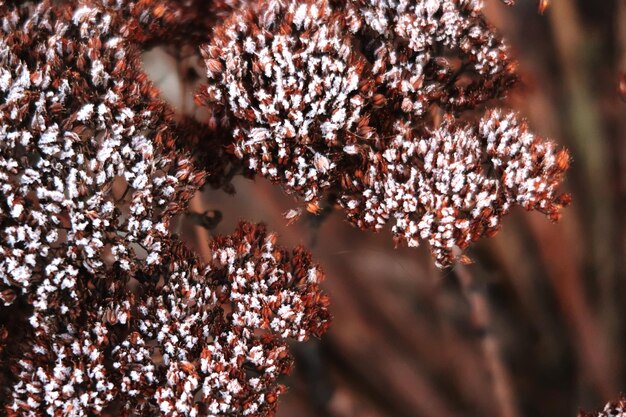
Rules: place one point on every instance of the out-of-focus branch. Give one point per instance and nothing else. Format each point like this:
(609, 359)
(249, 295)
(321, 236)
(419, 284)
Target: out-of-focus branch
(621, 28)
(474, 291)
(590, 151)
(564, 273)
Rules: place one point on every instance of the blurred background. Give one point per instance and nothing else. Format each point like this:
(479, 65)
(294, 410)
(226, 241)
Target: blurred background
(536, 326)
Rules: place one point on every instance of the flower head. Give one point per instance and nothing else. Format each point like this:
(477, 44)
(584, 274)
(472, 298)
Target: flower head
(369, 101)
(109, 310)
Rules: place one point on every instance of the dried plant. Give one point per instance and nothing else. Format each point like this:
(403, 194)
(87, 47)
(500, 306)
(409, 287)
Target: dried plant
(612, 409)
(387, 109)
(102, 307)
(377, 105)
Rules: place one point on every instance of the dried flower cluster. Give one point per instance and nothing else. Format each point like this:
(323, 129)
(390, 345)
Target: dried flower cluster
(102, 308)
(612, 409)
(454, 185)
(372, 104)
(378, 106)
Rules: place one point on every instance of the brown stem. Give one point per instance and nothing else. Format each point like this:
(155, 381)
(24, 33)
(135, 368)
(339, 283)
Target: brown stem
(479, 305)
(202, 236)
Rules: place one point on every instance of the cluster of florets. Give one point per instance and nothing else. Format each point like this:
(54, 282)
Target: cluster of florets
(292, 86)
(431, 52)
(454, 185)
(101, 307)
(362, 100)
(89, 177)
(211, 339)
(612, 409)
